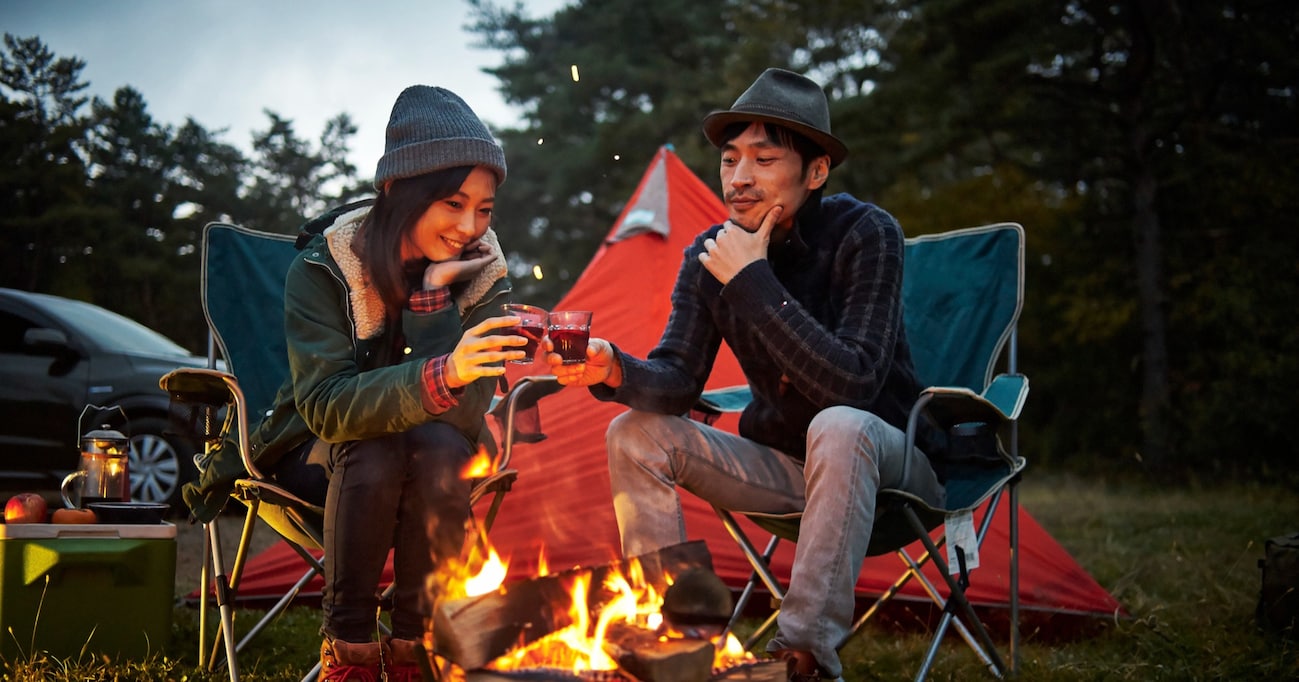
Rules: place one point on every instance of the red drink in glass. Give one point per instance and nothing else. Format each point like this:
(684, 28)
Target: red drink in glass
(569, 332)
(570, 343)
(533, 333)
(532, 327)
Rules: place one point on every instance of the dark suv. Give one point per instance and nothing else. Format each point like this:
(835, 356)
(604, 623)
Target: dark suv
(67, 367)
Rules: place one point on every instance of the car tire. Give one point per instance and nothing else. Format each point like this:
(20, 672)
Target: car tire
(158, 463)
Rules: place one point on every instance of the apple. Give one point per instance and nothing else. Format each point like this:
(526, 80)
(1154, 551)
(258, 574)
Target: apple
(26, 508)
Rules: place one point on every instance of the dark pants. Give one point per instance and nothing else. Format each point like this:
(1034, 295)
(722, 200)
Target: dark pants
(401, 492)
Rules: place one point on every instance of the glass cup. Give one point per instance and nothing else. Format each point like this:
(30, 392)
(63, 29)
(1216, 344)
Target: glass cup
(569, 332)
(532, 328)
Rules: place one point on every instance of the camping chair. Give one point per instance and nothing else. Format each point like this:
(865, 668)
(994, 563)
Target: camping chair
(242, 292)
(962, 294)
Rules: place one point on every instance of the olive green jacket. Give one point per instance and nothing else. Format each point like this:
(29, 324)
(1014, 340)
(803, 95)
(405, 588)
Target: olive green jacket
(348, 377)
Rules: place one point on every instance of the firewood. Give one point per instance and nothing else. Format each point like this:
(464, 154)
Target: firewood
(673, 561)
(650, 658)
(476, 630)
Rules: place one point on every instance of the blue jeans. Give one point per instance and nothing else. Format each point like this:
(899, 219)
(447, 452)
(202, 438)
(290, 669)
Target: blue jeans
(851, 454)
(401, 492)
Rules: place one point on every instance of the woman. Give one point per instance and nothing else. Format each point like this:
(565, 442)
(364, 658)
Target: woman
(394, 356)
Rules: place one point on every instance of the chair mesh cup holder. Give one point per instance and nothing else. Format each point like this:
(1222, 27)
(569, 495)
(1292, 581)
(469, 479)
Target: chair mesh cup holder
(973, 443)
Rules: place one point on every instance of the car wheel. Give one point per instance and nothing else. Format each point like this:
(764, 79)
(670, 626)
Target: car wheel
(158, 469)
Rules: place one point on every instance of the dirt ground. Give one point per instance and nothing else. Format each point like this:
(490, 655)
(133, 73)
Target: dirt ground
(189, 547)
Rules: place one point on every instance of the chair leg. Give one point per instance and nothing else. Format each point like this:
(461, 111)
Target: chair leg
(957, 594)
(490, 517)
(231, 584)
(1014, 577)
(912, 571)
(751, 553)
(760, 569)
(204, 579)
(747, 594)
(272, 613)
(223, 595)
(914, 567)
(932, 652)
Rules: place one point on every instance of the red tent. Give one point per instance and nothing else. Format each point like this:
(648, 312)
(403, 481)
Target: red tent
(561, 504)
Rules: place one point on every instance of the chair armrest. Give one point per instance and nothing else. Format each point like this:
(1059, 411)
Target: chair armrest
(213, 387)
(515, 406)
(1000, 403)
(720, 400)
(1008, 393)
(198, 385)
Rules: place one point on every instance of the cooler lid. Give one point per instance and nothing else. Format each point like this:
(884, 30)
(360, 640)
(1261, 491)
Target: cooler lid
(46, 531)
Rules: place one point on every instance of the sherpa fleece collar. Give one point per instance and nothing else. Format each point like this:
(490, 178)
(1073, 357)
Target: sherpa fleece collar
(367, 307)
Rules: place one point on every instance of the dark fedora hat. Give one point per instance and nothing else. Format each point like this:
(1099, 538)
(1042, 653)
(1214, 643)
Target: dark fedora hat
(785, 98)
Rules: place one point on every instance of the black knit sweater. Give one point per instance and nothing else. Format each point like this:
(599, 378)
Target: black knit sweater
(817, 324)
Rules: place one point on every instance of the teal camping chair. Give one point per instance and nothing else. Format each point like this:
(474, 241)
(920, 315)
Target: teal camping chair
(962, 294)
(243, 301)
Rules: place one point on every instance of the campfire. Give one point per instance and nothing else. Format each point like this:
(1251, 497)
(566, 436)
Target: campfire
(659, 617)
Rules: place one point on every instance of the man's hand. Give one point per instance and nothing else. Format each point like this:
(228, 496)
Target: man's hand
(601, 366)
(476, 255)
(480, 352)
(735, 247)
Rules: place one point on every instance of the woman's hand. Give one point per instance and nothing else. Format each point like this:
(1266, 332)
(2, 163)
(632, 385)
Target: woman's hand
(476, 255)
(601, 366)
(481, 353)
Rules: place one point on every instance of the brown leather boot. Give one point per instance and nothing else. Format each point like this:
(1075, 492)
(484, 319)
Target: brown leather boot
(351, 661)
(403, 663)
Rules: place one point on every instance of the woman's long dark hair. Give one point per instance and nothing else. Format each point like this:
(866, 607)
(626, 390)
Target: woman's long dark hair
(395, 213)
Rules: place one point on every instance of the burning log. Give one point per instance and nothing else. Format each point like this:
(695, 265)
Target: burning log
(477, 630)
(651, 658)
(546, 676)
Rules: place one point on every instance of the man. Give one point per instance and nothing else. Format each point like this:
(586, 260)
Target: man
(807, 291)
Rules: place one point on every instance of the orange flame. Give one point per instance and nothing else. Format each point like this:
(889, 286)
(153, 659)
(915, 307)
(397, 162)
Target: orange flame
(481, 465)
(627, 598)
(577, 647)
(489, 577)
(730, 654)
(580, 646)
(543, 565)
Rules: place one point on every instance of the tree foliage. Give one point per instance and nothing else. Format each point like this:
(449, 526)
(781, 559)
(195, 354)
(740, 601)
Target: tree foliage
(1146, 145)
(108, 205)
(603, 85)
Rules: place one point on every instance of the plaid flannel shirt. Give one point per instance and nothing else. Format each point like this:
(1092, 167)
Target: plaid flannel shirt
(434, 375)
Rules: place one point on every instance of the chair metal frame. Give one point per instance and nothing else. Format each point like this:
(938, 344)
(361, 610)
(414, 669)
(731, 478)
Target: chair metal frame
(902, 518)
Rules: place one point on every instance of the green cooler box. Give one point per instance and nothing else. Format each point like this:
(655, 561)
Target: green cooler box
(104, 588)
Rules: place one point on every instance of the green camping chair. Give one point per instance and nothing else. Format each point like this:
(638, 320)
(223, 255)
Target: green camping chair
(243, 301)
(962, 294)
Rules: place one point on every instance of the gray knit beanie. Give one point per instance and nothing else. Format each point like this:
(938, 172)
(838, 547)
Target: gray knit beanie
(431, 129)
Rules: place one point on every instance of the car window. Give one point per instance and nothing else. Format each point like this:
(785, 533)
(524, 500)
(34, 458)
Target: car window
(12, 328)
(112, 331)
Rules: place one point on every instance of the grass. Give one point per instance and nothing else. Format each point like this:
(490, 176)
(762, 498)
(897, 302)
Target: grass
(1183, 563)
